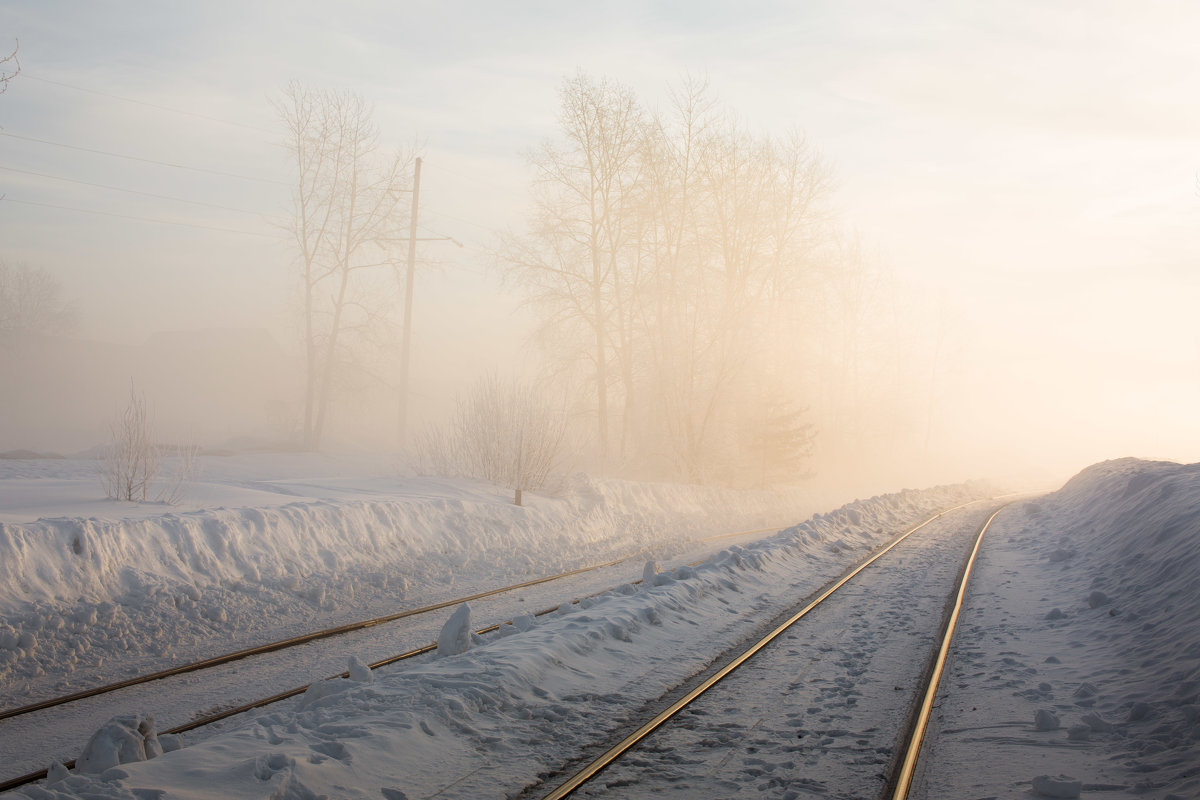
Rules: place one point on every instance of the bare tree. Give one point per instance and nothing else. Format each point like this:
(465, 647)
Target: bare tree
(572, 260)
(5, 61)
(665, 253)
(31, 303)
(349, 210)
(499, 431)
(733, 219)
(132, 462)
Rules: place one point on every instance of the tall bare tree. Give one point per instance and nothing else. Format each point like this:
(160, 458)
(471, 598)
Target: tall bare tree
(662, 251)
(572, 261)
(735, 216)
(350, 209)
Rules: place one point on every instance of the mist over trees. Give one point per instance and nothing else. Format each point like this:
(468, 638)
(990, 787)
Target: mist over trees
(700, 307)
(31, 303)
(670, 255)
(350, 211)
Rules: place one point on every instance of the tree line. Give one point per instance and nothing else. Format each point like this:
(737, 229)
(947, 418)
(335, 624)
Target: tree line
(696, 298)
(671, 254)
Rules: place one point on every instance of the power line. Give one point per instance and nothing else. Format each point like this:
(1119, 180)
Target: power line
(143, 160)
(28, 77)
(132, 191)
(139, 219)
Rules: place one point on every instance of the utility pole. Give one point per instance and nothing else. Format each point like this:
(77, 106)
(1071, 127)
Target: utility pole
(406, 345)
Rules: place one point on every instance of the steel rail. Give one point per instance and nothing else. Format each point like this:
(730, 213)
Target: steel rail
(902, 780)
(313, 636)
(282, 644)
(200, 722)
(616, 751)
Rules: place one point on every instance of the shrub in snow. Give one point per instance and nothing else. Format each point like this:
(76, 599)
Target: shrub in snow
(501, 432)
(120, 741)
(132, 462)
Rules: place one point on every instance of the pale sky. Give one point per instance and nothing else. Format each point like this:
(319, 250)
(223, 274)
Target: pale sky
(1034, 164)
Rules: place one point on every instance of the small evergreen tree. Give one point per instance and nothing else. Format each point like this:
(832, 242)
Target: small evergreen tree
(780, 443)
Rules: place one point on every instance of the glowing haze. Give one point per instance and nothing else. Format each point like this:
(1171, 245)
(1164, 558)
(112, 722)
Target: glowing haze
(1022, 176)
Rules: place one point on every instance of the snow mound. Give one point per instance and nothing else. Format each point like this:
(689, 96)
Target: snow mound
(526, 698)
(455, 637)
(1128, 681)
(122, 740)
(147, 587)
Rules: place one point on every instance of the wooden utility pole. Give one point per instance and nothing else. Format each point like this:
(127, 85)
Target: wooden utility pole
(406, 345)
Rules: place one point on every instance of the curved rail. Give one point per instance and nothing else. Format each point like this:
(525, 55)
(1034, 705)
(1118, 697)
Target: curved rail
(901, 781)
(616, 751)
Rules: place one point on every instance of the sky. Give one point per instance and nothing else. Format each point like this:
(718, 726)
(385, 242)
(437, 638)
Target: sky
(1031, 165)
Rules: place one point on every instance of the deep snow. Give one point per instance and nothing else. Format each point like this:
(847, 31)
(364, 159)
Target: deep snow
(1078, 657)
(94, 590)
(1085, 610)
(496, 714)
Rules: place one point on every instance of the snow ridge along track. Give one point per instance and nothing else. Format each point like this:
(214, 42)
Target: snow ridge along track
(590, 770)
(295, 641)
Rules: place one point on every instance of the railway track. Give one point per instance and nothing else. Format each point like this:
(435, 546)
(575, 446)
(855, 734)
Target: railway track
(196, 668)
(833, 697)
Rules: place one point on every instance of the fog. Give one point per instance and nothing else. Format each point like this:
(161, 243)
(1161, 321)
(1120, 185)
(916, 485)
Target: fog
(893, 247)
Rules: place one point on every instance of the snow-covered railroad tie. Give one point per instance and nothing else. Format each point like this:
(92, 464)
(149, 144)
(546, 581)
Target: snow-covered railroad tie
(833, 698)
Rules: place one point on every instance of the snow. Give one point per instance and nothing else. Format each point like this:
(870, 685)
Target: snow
(114, 589)
(1075, 672)
(1078, 666)
(455, 637)
(511, 705)
(123, 740)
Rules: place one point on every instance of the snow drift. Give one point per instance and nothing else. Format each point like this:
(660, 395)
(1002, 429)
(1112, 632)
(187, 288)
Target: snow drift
(524, 699)
(146, 586)
(1078, 669)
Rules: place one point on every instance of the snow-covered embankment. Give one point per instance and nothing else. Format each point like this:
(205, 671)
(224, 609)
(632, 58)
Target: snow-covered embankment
(486, 721)
(130, 589)
(1077, 670)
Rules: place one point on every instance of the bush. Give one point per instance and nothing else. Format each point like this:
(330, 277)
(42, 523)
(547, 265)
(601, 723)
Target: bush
(132, 461)
(499, 431)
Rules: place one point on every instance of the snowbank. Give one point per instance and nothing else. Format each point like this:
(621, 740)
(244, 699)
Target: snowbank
(129, 588)
(1127, 546)
(1079, 664)
(486, 721)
